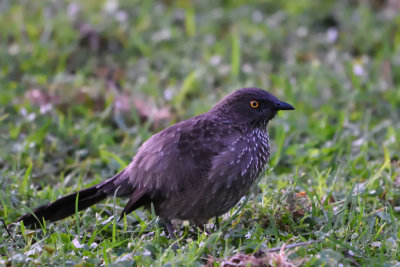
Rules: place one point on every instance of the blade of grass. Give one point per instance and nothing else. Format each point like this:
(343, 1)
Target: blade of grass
(78, 230)
(235, 56)
(190, 21)
(24, 188)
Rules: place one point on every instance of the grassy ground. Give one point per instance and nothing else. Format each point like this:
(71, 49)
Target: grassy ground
(84, 83)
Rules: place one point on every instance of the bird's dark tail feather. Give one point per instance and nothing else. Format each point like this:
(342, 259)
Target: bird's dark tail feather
(65, 206)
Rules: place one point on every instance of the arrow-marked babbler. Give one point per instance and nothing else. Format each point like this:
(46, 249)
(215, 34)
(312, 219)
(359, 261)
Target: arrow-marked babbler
(194, 170)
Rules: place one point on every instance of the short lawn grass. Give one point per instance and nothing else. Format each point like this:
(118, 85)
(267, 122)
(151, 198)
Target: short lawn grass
(84, 83)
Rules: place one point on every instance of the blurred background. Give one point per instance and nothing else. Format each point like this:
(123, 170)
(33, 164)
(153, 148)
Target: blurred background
(84, 83)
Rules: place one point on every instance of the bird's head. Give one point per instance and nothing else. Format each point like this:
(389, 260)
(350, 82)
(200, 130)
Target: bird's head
(250, 106)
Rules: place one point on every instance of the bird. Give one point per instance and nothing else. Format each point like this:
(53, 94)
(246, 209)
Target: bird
(194, 170)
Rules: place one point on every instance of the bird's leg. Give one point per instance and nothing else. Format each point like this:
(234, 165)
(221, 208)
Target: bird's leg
(170, 229)
(202, 227)
(217, 222)
(171, 233)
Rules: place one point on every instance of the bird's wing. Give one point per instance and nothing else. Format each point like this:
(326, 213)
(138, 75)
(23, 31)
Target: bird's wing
(178, 158)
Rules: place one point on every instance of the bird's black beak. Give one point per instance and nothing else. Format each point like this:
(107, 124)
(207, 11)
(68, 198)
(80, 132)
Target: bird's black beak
(280, 105)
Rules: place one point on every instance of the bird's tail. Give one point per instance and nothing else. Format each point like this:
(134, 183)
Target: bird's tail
(66, 206)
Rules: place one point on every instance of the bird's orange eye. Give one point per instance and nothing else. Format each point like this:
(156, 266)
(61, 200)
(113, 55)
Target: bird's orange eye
(254, 104)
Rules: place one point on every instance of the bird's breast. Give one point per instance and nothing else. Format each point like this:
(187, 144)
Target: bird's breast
(232, 174)
(254, 153)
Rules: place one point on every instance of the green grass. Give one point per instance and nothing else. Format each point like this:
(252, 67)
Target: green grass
(334, 176)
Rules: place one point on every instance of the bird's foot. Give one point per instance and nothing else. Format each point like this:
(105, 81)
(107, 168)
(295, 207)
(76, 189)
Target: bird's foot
(203, 228)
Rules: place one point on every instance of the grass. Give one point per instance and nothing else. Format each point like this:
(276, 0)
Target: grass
(83, 84)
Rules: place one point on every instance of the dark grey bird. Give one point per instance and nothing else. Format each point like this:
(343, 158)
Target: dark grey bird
(194, 170)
